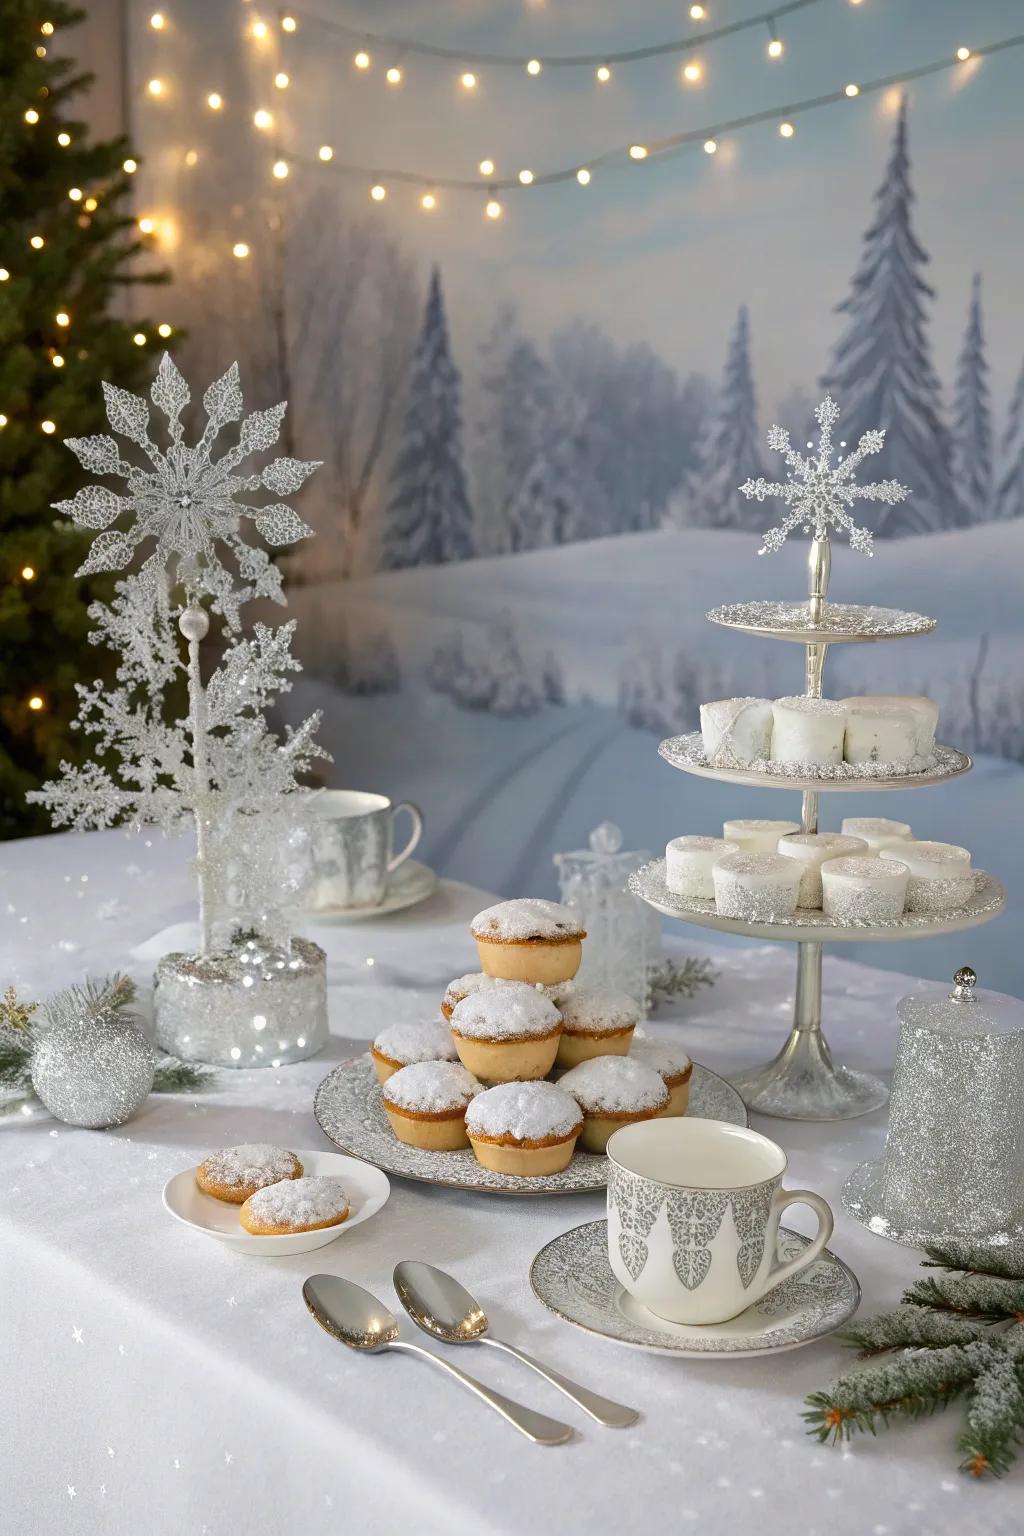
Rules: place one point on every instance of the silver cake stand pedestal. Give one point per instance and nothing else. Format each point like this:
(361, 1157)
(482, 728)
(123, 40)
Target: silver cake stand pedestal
(803, 1082)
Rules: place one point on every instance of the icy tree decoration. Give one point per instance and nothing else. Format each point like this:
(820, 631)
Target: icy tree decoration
(219, 765)
(626, 933)
(817, 492)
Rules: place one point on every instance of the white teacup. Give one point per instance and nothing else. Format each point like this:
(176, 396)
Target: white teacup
(352, 847)
(693, 1213)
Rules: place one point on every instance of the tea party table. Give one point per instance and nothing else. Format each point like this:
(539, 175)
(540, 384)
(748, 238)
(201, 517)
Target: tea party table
(156, 1381)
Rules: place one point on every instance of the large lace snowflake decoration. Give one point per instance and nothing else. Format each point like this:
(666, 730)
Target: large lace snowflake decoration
(818, 492)
(185, 499)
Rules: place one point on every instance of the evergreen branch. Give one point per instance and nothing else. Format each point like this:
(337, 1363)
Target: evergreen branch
(15, 1064)
(995, 1420)
(908, 1327)
(989, 1298)
(1007, 1261)
(15, 1015)
(674, 980)
(89, 998)
(913, 1386)
(173, 1076)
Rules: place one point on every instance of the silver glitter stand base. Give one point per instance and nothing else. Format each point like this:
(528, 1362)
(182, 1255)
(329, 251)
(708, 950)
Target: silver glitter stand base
(862, 1197)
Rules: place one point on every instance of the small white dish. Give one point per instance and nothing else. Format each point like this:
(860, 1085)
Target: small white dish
(367, 1189)
(411, 883)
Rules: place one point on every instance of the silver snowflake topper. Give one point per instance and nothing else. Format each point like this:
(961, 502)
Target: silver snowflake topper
(188, 501)
(818, 492)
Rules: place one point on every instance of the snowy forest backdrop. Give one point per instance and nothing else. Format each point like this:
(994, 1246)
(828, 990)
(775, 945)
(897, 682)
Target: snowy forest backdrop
(533, 432)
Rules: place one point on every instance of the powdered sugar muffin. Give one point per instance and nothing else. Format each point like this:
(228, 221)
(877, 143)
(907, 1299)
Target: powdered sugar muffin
(613, 1091)
(426, 1104)
(295, 1205)
(507, 1035)
(526, 1129)
(529, 940)
(402, 1044)
(674, 1068)
(235, 1173)
(479, 981)
(595, 1023)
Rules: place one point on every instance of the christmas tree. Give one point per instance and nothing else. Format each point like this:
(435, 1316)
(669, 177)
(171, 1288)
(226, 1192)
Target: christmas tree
(1009, 500)
(881, 367)
(730, 449)
(66, 251)
(429, 520)
(972, 419)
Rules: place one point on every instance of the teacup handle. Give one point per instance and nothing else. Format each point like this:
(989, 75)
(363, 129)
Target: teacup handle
(783, 1199)
(416, 816)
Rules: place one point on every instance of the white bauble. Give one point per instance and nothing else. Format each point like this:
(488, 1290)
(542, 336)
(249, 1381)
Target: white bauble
(95, 1072)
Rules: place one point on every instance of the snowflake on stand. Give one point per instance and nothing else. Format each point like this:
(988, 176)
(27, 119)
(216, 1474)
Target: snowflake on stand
(187, 501)
(818, 492)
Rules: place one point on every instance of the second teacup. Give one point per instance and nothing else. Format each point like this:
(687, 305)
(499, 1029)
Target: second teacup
(352, 839)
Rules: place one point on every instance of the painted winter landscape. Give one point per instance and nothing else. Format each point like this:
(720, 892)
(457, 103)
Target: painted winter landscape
(534, 437)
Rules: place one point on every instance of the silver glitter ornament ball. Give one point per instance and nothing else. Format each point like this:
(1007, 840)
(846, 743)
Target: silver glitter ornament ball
(93, 1072)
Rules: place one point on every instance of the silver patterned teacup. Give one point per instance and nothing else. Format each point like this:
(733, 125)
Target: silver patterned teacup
(352, 847)
(693, 1217)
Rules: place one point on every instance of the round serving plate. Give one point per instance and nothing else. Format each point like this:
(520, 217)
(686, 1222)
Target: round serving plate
(687, 753)
(411, 883)
(863, 1198)
(839, 623)
(809, 926)
(573, 1278)
(350, 1111)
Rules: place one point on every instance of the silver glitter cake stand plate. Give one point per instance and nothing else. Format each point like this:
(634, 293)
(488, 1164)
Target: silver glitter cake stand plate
(803, 1082)
(863, 1199)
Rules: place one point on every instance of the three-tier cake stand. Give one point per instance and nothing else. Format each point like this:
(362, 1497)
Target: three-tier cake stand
(803, 1082)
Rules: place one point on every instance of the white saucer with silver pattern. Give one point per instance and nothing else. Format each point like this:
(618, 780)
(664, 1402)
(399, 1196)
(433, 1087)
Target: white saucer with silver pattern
(350, 1111)
(573, 1278)
(411, 883)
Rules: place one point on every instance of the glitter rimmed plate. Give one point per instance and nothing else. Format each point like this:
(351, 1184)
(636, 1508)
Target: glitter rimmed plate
(687, 753)
(809, 926)
(350, 1111)
(862, 1197)
(573, 1278)
(367, 1189)
(839, 622)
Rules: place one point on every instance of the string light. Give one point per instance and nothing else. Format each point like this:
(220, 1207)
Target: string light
(583, 176)
(37, 702)
(147, 225)
(75, 194)
(139, 339)
(32, 116)
(378, 193)
(493, 209)
(710, 146)
(638, 152)
(692, 72)
(786, 130)
(486, 167)
(49, 427)
(263, 119)
(37, 242)
(3, 423)
(852, 90)
(697, 13)
(63, 139)
(468, 80)
(158, 21)
(288, 24)
(774, 40)
(604, 74)
(47, 29)
(62, 317)
(533, 67)
(40, 52)
(281, 80)
(428, 201)
(963, 54)
(526, 178)
(259, 30)
(28, 572)
(325, 152)
(164, 330)
(393, 76)
(240, 250)
(90, 205)
(215, 101)
(130, 167)
(57, 360)
(191, 157)
(280, 169)
(155, 87)
(4, 274)
(362, 59)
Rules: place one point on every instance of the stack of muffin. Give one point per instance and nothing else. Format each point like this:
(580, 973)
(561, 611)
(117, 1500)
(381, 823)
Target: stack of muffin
(482, 1075)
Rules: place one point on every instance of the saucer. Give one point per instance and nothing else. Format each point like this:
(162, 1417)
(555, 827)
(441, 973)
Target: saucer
(367, 1189)
(573, 1278)
(411, 883)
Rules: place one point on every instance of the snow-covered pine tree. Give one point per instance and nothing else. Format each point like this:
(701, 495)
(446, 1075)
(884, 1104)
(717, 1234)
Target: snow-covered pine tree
(882, 371)
(489, 457)
(429, 520)
(730, 450)
(541, 453)
(1009, 498)
(972, 419)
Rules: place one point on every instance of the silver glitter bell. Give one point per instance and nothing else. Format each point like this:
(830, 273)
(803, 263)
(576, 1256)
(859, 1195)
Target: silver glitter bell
(953, 1164)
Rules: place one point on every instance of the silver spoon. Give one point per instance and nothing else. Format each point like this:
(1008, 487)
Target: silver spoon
(349, 1313)
(442, 1307)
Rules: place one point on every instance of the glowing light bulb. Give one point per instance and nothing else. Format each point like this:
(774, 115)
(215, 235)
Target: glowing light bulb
(263, 119)
(281, 80)
(786, 130)
(191, 157)
(962, 54)
(75, 194)
(240, 250)
(215, 101)
(130, 167)
(697, 13)
(583, 176)
(393, 76)
(288, 23)
(852, 90)
(362, 59)
(3, 420)
(775, 48)
(155, 87)
(57, 360)
(692, 73)
(4, 274)
(638, 152)
(378, 193)
(62, 317)
(47, 29)
(486, 167)
(40, 52)
(49, 427)
(63, 139)
(37, 242)
(139, 339)
(533, 67)
(326, 152)
(28, 572)
(428, 201)
(526, 178)
(493, 209)
(604, 74)
(158, 21)
(90, 205)
(711, 146)
(37, 702)
(164, 330)
(259, 30)
(147, 225)
(468, 80)
(280, 169)
(31, 116)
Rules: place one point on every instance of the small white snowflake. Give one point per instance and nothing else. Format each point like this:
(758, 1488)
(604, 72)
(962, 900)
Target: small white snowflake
(77, 1335)
(818, 492)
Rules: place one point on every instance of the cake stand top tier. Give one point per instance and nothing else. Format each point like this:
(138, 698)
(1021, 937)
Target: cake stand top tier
(838, 622)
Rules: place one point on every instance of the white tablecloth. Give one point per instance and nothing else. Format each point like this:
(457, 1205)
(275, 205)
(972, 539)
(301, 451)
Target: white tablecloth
(156, 1382)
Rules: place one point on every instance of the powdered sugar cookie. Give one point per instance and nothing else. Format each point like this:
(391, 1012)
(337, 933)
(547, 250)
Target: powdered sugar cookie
(295, 1205)
(235, 1173)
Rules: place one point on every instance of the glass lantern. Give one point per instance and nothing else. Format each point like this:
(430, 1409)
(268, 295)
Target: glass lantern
(624, 933)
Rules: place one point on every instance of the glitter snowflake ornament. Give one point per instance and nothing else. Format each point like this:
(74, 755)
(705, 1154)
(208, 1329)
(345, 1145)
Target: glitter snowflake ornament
(817, 492)
(186, 500)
